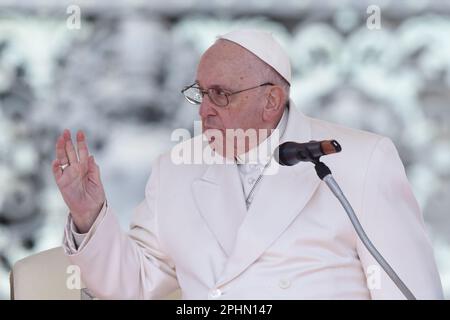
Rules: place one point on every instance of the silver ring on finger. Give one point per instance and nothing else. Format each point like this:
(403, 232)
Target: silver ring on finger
(64, 166)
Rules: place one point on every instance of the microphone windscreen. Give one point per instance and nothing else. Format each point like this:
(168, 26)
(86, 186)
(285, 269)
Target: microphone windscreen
(286, 154)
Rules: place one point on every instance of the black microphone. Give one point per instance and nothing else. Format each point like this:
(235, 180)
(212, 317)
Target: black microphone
(291, 153)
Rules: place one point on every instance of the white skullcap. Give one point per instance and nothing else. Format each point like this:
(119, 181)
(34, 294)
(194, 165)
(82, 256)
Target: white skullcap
(264, 46)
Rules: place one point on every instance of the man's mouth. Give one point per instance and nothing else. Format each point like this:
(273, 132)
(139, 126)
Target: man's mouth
(207, 127)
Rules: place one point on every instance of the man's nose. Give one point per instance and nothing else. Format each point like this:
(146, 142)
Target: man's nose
(207, 108)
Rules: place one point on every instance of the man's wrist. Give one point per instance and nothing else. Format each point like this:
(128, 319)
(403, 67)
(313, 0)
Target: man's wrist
(84, 224)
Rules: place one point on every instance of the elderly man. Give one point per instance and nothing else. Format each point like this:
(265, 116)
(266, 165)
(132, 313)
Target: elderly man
(228, 230)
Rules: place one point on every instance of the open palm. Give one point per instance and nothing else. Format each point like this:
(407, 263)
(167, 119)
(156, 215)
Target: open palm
(79, 182)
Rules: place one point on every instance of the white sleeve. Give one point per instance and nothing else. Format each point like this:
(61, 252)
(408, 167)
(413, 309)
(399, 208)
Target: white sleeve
(73, 240)
(393, 221)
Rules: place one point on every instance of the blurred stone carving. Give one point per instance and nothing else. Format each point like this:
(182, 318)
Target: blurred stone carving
(119, 78)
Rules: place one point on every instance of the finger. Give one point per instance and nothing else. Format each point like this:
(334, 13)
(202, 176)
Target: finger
(60, 150)
(70, 150)
(83, 151)
(57, 171)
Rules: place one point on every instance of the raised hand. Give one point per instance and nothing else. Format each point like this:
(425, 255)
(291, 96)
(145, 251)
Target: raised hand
(78, 180)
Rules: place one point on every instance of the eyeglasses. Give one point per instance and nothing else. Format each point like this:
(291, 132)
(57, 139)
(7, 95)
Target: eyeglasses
(194, 94)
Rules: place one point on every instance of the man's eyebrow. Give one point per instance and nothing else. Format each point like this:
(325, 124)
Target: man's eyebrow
(218, 86)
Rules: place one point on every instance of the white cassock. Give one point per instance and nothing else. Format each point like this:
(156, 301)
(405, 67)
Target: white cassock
(193, 230)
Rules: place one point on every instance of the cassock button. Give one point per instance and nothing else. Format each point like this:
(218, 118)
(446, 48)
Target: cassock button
(215, 293)
(284, 283)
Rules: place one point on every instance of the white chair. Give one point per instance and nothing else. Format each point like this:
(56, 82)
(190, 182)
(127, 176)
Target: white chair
(44, 276)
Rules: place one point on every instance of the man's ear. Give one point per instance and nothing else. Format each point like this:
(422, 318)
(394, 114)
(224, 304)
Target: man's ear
(275, 104)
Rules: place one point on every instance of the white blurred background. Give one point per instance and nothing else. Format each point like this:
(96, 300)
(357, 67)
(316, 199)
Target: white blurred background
(118, 70)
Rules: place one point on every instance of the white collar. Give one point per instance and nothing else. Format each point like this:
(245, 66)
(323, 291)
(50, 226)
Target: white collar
(262, 153)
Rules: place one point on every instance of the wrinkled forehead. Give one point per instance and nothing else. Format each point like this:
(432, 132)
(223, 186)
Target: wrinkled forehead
(228, 63)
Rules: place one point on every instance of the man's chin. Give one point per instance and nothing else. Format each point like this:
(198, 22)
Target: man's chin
(221, 149)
